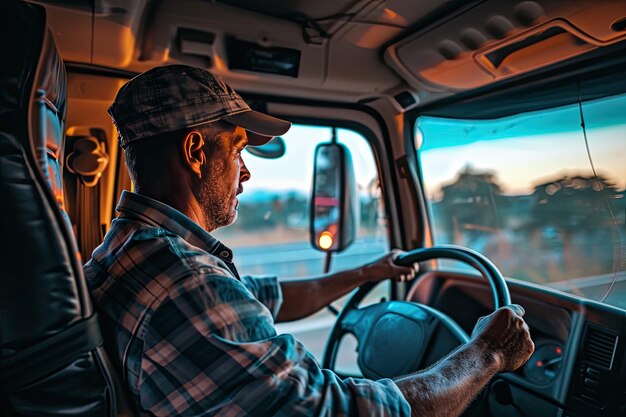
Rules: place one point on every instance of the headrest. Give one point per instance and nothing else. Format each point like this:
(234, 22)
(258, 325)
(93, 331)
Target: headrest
(19, 65)
(33, 88)
(47, 115)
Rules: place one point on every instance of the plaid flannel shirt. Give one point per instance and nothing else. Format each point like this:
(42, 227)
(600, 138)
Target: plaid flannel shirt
(195, 339)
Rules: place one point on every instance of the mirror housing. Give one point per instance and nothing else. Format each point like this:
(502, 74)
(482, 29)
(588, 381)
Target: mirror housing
(335, 204)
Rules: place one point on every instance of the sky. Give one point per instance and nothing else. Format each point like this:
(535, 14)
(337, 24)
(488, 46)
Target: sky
(522, 162)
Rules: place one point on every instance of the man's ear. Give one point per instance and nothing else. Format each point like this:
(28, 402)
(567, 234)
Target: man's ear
(193, 152)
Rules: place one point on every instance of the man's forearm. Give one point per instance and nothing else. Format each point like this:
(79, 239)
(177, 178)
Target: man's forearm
(446, 389)
(305, 296)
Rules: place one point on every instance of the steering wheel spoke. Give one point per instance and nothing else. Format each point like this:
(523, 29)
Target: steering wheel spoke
(353, 322)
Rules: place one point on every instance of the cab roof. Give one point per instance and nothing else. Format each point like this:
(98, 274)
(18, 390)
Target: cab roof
(414, 54)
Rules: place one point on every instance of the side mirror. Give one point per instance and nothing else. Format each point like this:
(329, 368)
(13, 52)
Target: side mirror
(334, 203)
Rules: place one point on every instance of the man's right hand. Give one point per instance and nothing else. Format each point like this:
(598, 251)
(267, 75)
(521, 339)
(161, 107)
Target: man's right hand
(505, 334)
(500, 343)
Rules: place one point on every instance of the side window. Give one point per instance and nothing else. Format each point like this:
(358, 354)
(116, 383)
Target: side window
(542, 198)
(271, 234)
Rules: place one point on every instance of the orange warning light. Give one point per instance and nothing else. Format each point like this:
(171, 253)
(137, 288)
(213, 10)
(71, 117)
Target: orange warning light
(325, 240)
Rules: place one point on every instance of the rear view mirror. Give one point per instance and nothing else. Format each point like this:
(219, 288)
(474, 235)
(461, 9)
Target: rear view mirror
(334, 203)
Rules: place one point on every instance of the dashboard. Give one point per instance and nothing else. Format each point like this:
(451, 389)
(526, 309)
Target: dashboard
(579, 364)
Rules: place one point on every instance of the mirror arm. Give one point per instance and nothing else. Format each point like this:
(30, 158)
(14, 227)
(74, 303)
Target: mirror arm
(328, 261)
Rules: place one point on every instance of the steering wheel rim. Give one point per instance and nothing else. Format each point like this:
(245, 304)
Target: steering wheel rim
(487, 269)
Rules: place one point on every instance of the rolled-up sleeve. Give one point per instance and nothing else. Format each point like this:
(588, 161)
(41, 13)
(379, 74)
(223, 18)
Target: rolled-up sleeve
(211, 349)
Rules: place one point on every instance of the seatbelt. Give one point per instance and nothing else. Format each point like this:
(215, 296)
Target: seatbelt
(89, 231)
(50, 354)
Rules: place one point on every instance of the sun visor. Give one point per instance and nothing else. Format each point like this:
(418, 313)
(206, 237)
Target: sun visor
(496, 40)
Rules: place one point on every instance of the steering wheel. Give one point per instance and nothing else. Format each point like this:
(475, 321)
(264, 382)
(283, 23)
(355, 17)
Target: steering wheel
(399, 337)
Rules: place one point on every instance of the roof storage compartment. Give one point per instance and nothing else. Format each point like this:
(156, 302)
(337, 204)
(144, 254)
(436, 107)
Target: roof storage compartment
(494, 40)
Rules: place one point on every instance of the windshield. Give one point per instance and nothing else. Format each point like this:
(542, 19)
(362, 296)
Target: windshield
(534, 192)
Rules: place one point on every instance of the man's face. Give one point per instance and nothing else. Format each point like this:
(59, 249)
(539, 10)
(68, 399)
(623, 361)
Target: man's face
(223, 176)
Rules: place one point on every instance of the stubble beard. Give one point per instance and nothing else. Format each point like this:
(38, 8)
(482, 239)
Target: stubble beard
(216, 200)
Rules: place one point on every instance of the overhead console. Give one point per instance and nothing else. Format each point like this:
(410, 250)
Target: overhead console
(495, 40)
(319, 50)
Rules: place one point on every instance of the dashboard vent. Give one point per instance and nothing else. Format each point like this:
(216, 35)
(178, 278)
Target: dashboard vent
(600, 347)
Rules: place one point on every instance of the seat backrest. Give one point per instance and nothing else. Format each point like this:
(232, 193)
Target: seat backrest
(51, 358)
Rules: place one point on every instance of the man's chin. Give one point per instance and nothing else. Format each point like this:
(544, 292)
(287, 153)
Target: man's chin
(232, 217)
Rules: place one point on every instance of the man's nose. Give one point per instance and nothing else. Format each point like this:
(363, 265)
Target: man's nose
(244, 173)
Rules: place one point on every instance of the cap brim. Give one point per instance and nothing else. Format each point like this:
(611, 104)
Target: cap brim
(261, 127)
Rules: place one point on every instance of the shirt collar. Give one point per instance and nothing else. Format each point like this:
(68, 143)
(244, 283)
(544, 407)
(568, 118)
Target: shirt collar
(160, 214)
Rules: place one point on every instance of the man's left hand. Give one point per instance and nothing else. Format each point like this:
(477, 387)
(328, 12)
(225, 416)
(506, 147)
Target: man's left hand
(385, 268)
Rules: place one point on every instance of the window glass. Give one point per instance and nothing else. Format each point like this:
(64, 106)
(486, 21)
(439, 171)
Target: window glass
(271, 234)
(529, 192)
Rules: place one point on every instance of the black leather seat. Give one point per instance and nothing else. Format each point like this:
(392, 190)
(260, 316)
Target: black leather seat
(51, 358)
